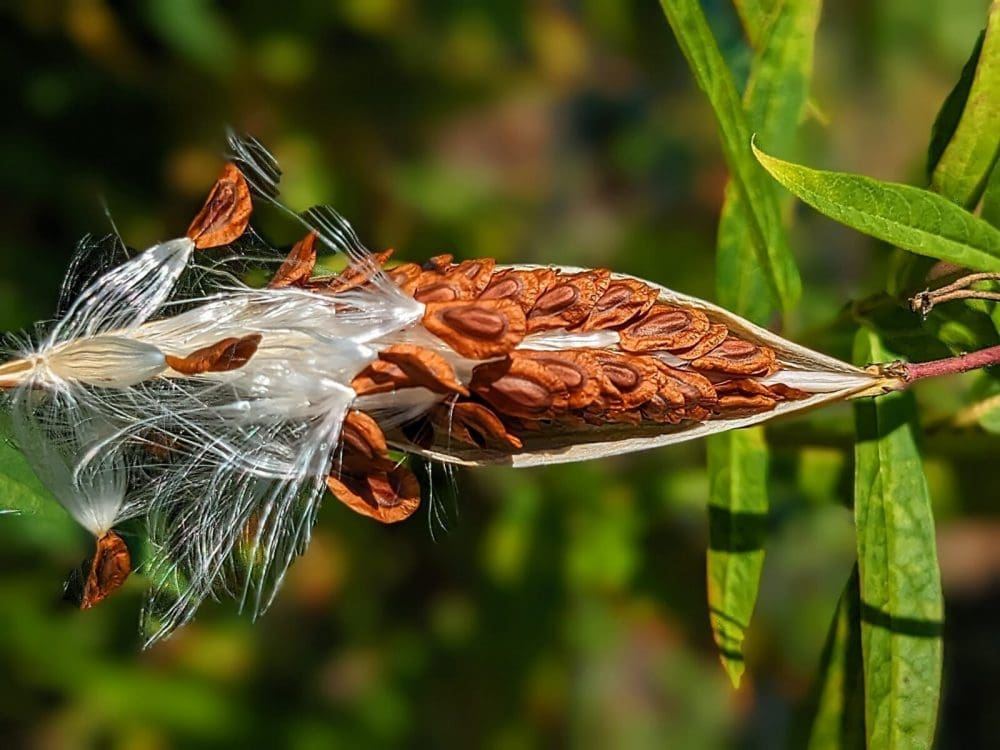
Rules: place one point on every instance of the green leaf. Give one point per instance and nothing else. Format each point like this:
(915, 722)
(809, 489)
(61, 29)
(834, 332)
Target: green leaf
(737, 513)
(738, 461)
(968, 158)
(901, 604)
(756, 17)
(916, 220)
(950, 113)
(20, 490)
(764, 220)
(990, 209)
(837, 707)
(775, 100)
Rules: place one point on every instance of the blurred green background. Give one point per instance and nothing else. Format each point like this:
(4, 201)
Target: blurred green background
(560, 607)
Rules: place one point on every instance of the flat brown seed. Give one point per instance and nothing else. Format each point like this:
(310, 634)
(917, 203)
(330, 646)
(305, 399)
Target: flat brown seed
(738, 404)
(434, 286)
(738, 357)
(109, 569)
(438, 262)
(222, 356)
(568, 300)
(226, 212)
(622, 302)
(388, 497)
(477, 272)
(579, 372)
(517, 387)
(405, 276)
(408, 366)
(298, 266)
(474, 424)
(524, 286)
(695, 387)
(353, 276)
(629, 381)
(362, 436)
(715, 336)
(477, 330)
(664, 328)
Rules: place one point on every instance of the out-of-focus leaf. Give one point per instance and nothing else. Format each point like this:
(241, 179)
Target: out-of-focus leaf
(756, 16)
(951, 109)
(901, 604)
(738, 461)
(990, 210)
(916, 220)
(20, 489)
(737, 514)
(763, 219)
(837, 705)
(966, 161)
(775, 100)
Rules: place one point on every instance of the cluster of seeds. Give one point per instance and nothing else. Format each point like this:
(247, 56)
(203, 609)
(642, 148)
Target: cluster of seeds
(663, 364)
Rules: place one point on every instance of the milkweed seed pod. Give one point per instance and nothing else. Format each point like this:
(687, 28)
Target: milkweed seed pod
(172, 390)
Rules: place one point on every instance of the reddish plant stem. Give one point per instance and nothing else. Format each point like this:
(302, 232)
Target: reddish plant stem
(951, 365)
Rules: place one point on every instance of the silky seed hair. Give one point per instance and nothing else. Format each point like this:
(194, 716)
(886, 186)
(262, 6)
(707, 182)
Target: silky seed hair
(221, 413)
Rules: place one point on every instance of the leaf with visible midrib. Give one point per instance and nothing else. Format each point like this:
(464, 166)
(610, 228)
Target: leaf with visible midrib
(763, 216)
(901, 603)
(916, 220)
(737, 515)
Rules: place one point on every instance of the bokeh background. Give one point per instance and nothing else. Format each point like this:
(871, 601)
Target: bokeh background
(559, 607)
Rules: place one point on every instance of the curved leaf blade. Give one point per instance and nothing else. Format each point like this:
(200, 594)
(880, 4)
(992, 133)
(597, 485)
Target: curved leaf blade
(713, 76)
(902, 608)
(737, 516)
(916, 220)
(971, 151)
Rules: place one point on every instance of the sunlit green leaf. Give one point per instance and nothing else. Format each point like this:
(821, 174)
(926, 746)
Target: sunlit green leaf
(916, 220)
(775, 101)
(763, 219)
(967, 159)
(901, 604)
(737, 512)
(990, 209)
(20, 490)
(837, 709)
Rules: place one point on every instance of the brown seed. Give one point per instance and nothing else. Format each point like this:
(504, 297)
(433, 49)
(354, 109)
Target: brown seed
(695, 388)
(408, 366)
(362, 438)
(715, 336)
(298, 266)
(730, 405)
(787, 393)
(629, 381)
(524, 286)
(226, 212)
(352, 276)
(517, 387)
(738, 357)
(386, 496)
(474, 424)
(568, 300)
(666, 328)
(477, 330)
(578, 371)
(405, 276)
(623, 301)
(438, 262)
(477, 272)
(222, 356)
(109, 569)
(433, 286)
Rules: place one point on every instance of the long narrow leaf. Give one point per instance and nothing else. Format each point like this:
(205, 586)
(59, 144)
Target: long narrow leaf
(738, 461)
(737, 515)
(968, 158)
(837, 709)
(916, 220)
(901, 603)
(764, 221)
